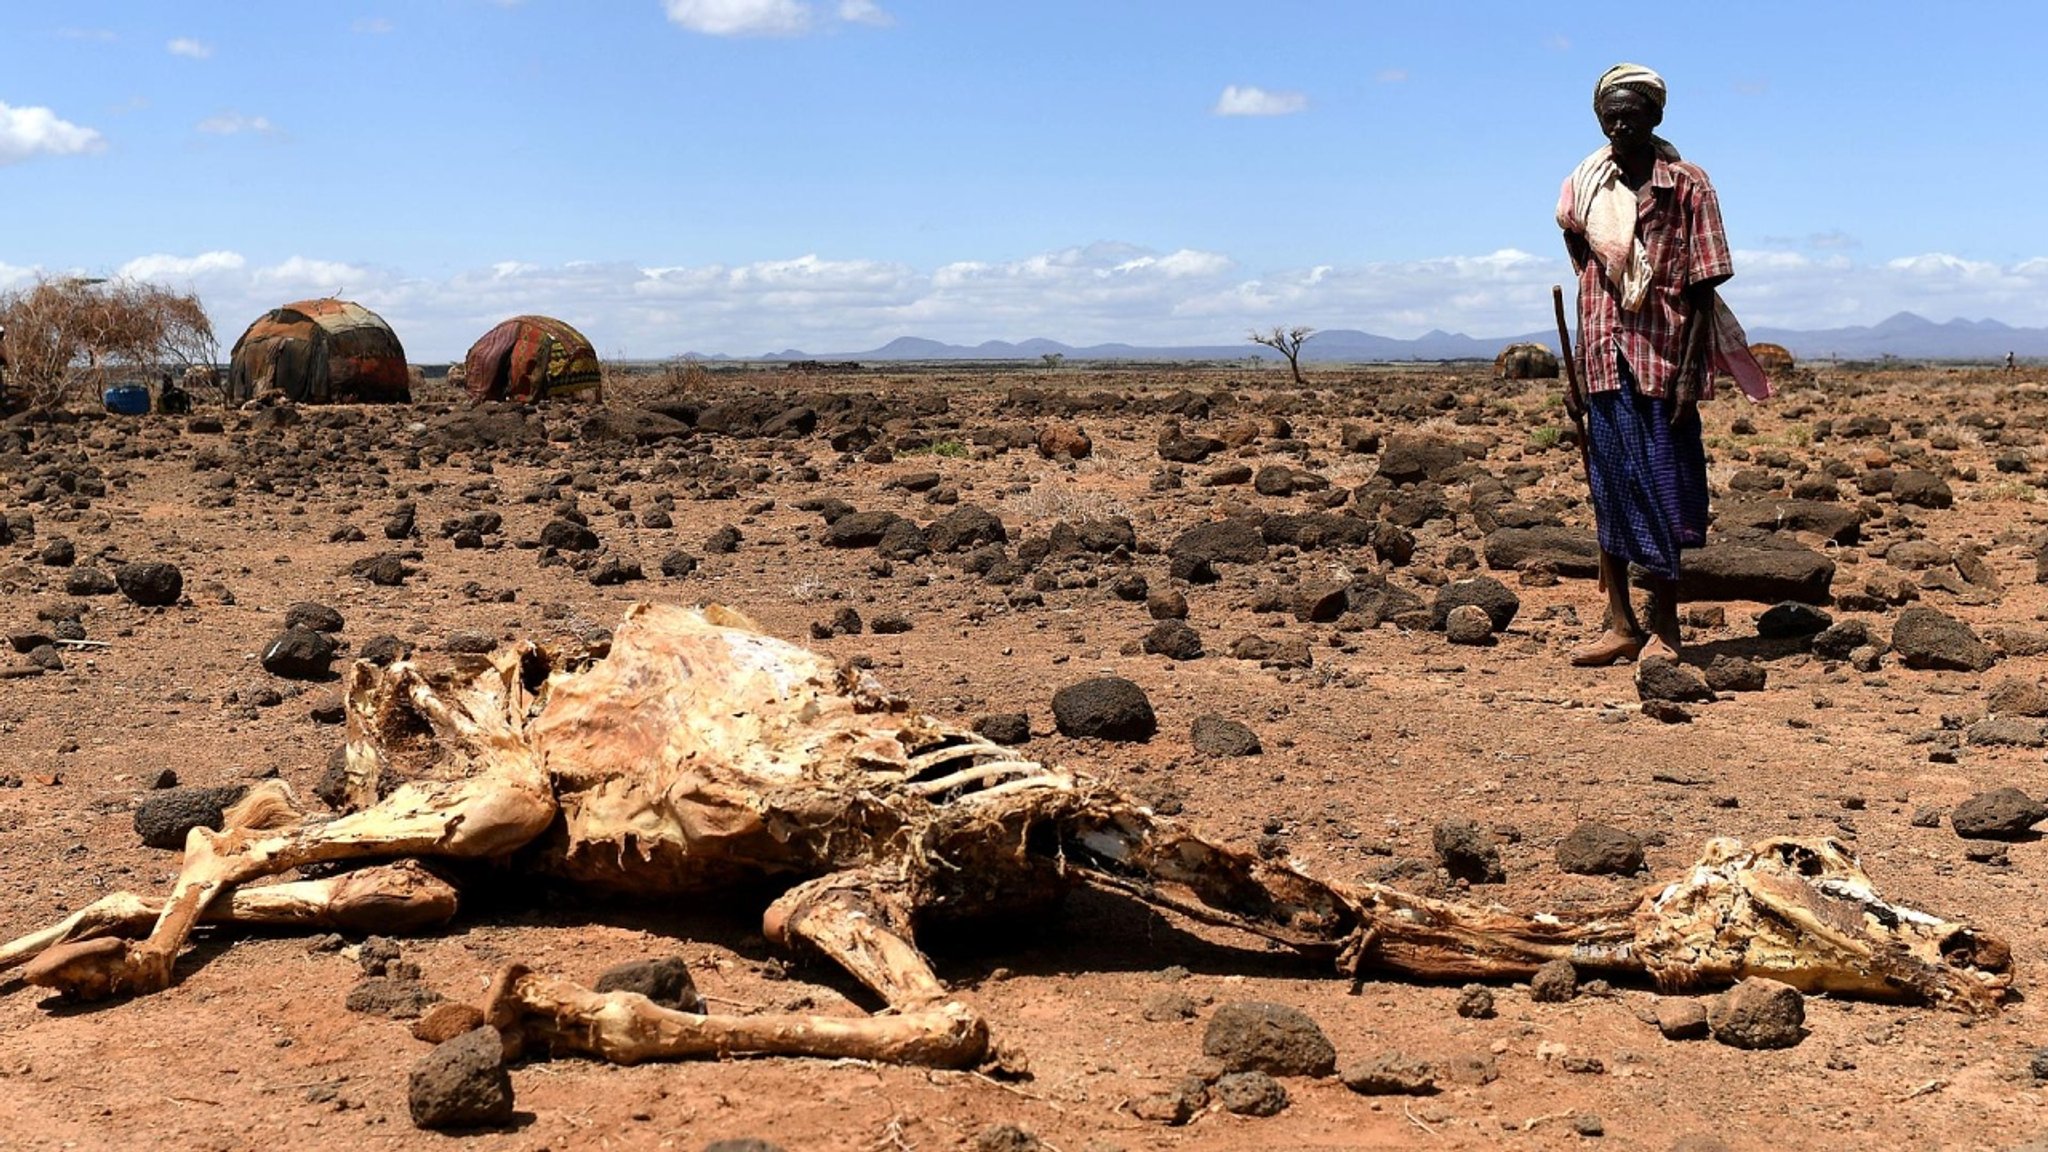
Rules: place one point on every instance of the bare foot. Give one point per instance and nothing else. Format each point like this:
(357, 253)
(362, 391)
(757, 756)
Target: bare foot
(1611, 647)
(1656, 647)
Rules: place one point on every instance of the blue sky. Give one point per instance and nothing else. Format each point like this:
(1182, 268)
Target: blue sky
(746, 176)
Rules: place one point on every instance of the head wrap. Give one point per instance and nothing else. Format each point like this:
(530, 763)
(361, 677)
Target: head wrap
(1633, 77)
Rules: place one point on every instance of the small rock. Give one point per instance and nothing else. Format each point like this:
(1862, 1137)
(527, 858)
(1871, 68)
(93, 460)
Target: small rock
(151, 583)
(1728, 673)
(1554, 983)
(1251, 1035)
(1588, 1124)
(1471, 1069)
(299, 654)
(1175, 1106)
(568, 536)
(384, 649)
(1167, 604)
(1475, 1002)
(664, 980)
(376, 955)
(1249, 1094)
(1168, 1006)
(1660, 679)
(398, 999)
(1175, 640)
(89, 582)
(462, 1083)
(328, 708)
(1925, 638)
(2000, 814)
(1218, 736)
(678, 564)
(1108, 708)
(1467, 851)
(1011, 728)
(1007, 1138)
(1758, 1013)
(1790, 619)
(313, 617)
(1598, 850)
(614, 570)
(890, 624)
(1390, 1074)
(447, 1020)
(166, 816)
(2018, 698)
(1468, 624)
(472, 641)
(1681, 1018)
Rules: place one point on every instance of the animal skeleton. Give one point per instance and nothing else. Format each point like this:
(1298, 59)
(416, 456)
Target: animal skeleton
(694, 752)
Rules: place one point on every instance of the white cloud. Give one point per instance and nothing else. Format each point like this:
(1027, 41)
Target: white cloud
(160, 268)
(1246, 100)
(371, 26)
(1096, 293)
(189, 48)
(236, 124)
(37, 131)
(864, 12)
(741, 17)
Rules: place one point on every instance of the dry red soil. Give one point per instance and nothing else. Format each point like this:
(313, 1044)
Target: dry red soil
(1388, 732)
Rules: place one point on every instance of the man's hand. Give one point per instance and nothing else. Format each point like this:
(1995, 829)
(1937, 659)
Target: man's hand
(1693, 365)
(1685, 394)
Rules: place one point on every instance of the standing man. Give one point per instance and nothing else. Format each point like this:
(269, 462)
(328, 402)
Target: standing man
(1643, 229)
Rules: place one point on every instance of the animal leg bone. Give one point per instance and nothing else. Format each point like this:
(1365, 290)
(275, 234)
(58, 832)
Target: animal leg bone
(862, 921)
(391, 898)
(502, 801)
(478, 817)
(626, 1028)
(859, 918)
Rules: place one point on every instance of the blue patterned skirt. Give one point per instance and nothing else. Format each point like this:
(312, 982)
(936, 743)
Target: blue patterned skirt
(1649, 480)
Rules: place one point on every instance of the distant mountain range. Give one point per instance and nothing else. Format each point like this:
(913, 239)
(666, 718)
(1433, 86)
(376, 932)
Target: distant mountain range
(1905, 335)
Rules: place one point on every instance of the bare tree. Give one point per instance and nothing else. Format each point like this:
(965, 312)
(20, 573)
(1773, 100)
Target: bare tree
(1287, 342)
(70, 336)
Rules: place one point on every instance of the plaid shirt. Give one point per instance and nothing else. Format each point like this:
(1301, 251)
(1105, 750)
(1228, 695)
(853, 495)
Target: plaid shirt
(1679, 218)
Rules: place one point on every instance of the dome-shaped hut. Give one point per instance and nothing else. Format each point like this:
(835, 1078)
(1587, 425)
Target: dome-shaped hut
(1774, 359)
(321, 351)
(530, 358)
(1525, 362)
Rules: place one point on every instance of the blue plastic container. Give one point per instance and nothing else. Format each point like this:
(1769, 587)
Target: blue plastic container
(127, 399)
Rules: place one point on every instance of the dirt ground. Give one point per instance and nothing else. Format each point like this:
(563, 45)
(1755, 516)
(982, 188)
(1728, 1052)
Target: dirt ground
(1388, 732)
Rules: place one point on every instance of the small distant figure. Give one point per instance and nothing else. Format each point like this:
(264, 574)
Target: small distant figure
(171, 399)
(2011, 365)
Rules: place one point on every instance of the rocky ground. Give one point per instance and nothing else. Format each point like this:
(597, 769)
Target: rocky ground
(1346, 604)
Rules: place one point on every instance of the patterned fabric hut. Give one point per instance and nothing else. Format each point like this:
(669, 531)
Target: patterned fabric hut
(321, 351)
(530, 358)
(1525, 362)
(1775, 359)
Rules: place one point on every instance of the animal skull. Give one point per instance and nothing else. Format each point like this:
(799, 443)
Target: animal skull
(694, 751)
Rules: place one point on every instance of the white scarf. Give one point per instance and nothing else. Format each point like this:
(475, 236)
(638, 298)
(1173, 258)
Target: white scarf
(1600, 207)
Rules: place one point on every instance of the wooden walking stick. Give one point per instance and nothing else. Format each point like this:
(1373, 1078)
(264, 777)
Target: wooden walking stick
(1574, 400)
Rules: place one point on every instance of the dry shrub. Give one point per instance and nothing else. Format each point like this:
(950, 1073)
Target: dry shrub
(67, 337)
